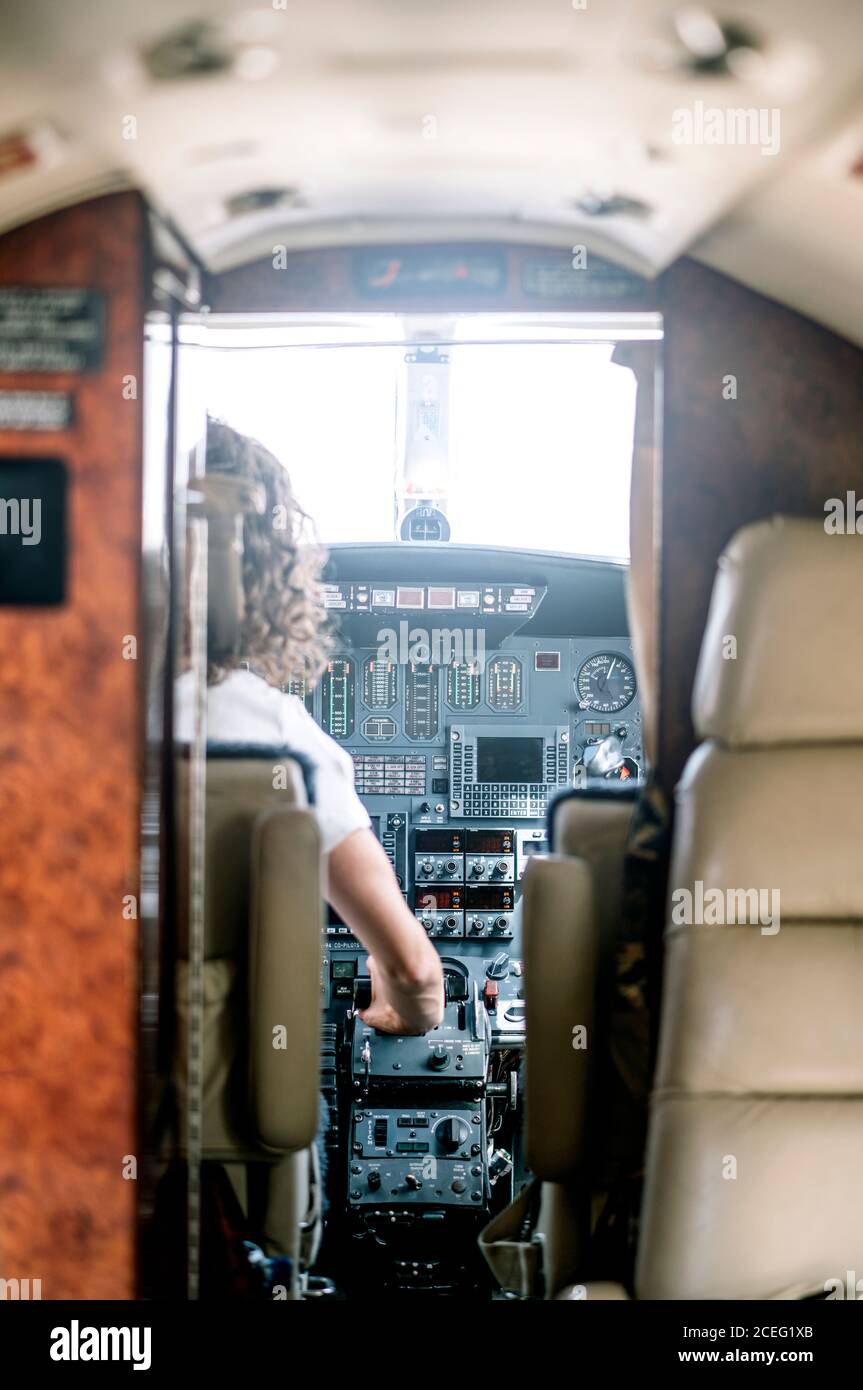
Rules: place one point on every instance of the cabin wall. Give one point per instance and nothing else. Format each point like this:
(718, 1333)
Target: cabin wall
(70, 716)
(788, 443)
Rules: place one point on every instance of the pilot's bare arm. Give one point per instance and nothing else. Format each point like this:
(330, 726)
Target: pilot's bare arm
(406, 972)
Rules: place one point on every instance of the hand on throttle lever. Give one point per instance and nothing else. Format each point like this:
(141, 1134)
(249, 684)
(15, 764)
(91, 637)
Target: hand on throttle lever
(380, 1013)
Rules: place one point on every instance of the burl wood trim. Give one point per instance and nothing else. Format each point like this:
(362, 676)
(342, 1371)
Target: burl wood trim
(789, 442)
(70, 711)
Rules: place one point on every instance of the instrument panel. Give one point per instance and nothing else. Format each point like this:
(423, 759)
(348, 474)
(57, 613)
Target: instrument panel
(451, 742)
(460, 733)
(585, 688)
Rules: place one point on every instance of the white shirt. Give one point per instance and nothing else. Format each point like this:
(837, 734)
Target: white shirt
(243, 708)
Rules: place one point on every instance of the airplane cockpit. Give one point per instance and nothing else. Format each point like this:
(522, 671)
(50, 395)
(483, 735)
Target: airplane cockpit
(430, 574)
(480, 666)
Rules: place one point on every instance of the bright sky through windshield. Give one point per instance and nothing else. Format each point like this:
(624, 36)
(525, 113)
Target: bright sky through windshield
(540, 438)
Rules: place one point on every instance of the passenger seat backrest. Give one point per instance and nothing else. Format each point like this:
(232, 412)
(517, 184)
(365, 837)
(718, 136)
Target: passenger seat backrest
(263, 932)
(756, 1133)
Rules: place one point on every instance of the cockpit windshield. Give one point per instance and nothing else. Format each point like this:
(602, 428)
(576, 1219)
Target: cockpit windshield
(511, 434)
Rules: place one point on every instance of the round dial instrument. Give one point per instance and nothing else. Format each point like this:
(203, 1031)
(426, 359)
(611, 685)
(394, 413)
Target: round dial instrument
(605, 682)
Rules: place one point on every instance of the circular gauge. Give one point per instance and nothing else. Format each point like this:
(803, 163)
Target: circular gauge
(425, 523)
(606, 683)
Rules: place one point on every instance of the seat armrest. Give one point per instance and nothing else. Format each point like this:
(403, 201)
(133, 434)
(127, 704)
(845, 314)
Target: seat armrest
(560, 965)
(285, 936)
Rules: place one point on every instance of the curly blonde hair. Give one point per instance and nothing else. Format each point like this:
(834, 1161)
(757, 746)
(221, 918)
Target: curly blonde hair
(284, 635)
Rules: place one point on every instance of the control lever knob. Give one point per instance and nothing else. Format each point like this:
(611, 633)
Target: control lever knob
(374, 1180)
(451, 1133)
(450, 866)
(427, 923)
(478, 868)
(476, 924)
(427, 866)
(413, 1182)
(450, 924)
(499, 968)
(499, 924)
(501, 867)
(439, 1057)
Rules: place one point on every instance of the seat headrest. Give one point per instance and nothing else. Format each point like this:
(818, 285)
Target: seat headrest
(223, 501)
(782, 657)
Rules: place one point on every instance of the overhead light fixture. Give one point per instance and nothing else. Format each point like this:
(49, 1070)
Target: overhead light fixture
(611, 205)
(702, 44)
(700, 33)
(201, 49)
(262, 200)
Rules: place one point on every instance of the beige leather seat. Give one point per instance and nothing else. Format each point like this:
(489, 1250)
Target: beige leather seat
(263, 931)
(570, 914)
(570, 907)
(263, 924)
(756, 1131)
(538, 1239)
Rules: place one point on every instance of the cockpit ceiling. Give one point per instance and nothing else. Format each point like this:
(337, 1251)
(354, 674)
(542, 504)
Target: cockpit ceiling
(556, 121)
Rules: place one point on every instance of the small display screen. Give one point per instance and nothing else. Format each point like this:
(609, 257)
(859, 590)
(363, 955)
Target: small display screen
(533, 847)
(438, 897)
(489, 841)
(441, 598)
(509, 760)
(411, 1146)
(595, 730)
(441, 841)
(546, 661)
(489, 897)
(343, 969)
(409, 598)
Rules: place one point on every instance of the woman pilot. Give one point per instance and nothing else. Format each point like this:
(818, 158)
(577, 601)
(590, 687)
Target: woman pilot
(282, 639)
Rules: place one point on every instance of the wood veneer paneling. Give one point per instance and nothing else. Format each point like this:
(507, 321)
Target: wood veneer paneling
(69, 788)
(789, 442)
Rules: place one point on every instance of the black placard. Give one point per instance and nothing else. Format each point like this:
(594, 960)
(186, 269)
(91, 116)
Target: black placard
(33, 539)
(51, 330)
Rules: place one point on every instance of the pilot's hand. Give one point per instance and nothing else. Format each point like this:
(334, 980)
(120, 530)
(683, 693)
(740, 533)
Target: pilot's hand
(380, 1013)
